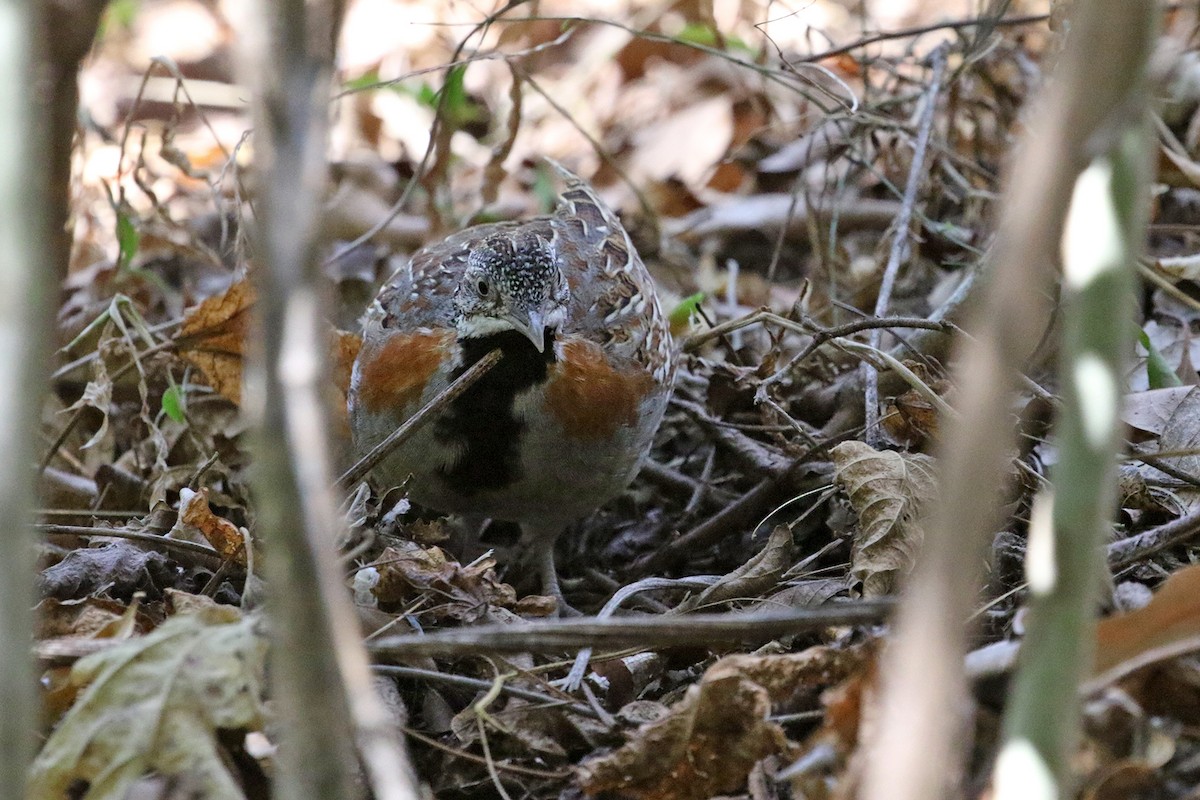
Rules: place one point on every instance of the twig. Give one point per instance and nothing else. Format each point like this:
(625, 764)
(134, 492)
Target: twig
(905, 33)
(878, 359)
(493, 171)
(823, 335)
(674, 479)
(450, 679)
(153, 539)
(1178, 531)
(414, 423)
(917, 752)
(468, 756)
(421, 171)
(601, 152)
(916, 173)
(806, 326)
(579, 669)
(33, 240)
(655, 632)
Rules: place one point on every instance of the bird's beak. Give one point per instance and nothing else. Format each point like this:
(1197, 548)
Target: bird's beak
(533, 327)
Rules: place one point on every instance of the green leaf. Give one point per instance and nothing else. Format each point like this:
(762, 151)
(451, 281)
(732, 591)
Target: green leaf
(452, 101)
(427, 96)
(367, 80)
(706, 35)
(127, 240)
(455, 90)
(1159, 374)
(544, 188)
(173, 404)
(682, 313)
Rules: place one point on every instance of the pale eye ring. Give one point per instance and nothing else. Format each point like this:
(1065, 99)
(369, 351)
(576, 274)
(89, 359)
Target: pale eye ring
(483, 288)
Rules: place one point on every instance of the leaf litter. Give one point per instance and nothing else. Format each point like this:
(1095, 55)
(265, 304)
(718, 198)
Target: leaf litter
(761, 202)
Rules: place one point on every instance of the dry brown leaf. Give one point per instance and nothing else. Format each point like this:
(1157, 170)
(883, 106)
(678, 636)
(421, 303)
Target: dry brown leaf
(1181, 434)
(158, 704)
(223, 535)
(1186, 172)
(408, 570)
(88, 617)
(761, 573)
(119, 568)
(1151, 410)
(889, 491)
(710, 740)
(911, 419)
(1168, 626)
(213, 336)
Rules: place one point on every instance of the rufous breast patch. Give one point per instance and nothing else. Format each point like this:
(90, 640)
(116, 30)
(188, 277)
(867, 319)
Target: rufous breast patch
(591, 398)
(395, 375)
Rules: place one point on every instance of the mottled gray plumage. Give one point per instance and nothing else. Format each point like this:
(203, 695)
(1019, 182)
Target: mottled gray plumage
(566, 418)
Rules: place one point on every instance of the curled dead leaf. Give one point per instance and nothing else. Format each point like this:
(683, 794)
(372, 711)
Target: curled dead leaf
(343, 350)
(407, 570)
(761, 573)
(223, 535)
(889, 491)
(709, 741)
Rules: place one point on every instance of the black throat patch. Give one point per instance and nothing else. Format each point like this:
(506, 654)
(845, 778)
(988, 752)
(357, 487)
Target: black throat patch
(482, 421)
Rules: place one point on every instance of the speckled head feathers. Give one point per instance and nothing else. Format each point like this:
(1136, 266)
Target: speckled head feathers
(511, 282)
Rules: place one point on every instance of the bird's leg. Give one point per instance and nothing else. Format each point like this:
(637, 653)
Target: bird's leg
(542, 541)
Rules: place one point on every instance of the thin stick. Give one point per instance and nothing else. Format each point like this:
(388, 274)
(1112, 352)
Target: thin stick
(450, 679)
(916, 172)
(651, 631)
(416, 421)
(153, 539)
(1127, 551)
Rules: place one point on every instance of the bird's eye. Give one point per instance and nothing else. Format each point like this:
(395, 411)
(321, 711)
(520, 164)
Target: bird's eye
(483, 288)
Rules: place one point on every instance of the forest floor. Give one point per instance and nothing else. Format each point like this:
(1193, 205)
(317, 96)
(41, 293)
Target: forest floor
(760, 157)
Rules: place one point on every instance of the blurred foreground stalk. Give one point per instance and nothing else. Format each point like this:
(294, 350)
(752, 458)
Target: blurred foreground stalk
(1105, 229)
(1087, 105)
(26, 283)
(321, 681)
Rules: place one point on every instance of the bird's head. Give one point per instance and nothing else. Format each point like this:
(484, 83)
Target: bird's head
(511, 282)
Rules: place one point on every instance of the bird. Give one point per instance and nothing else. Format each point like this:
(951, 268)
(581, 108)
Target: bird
(564, 420)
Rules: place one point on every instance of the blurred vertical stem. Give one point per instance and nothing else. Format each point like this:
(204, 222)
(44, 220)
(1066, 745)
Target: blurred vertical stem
(27, 282)
(1104, 232)
(321, 681)
(1095, 94)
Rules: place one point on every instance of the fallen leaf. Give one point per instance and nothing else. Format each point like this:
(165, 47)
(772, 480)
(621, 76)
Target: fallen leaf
(87, 617)
(1180, 434)
(213, 336)
(343, 350)
(1150, 410)
(98, 394)
(760, 573)
(1167, 626)
(408, 570)
(119, 568)
(157, 704)
(888, 490)
(223, 535)
(709, 741)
